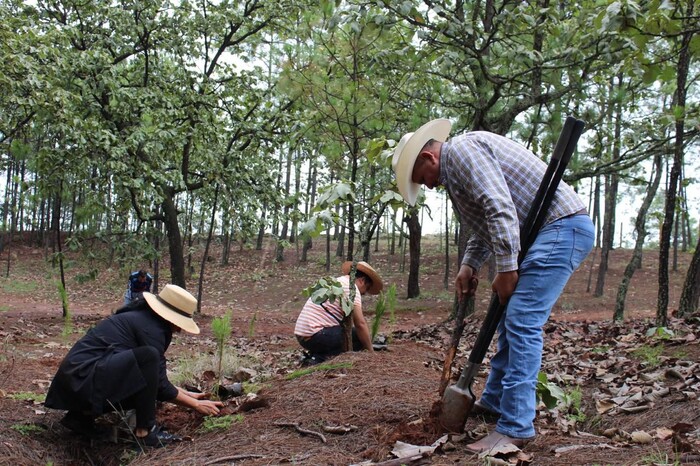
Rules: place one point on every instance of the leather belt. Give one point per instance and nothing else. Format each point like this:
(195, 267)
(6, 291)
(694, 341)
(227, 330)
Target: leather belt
(583, 211)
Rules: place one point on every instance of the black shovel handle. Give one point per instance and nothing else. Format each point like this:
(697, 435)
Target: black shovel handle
(566, 144)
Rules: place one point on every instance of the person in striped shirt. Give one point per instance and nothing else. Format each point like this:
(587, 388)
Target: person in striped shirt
(318, 328)
(492, 182)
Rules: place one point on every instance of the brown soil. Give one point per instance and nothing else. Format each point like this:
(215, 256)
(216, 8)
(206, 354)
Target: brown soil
(380, 398)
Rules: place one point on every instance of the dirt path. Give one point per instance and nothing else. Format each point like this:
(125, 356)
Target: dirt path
(379, 398)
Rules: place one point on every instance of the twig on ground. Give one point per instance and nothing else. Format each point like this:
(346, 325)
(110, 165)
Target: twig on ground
(242, 456)
(301, 430)
(339, 429)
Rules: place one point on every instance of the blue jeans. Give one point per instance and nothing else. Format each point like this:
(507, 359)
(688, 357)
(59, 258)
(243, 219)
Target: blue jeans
(510, 390)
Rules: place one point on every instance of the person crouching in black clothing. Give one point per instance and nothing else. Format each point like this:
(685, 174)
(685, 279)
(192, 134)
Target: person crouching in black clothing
(120, 364)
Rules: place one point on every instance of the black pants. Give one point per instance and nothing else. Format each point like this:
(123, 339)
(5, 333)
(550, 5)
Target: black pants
(144, 401)
(329, 342)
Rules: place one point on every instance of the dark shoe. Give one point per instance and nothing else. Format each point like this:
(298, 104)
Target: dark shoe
(480, 410)
(158, 437)
(82, 424)
(310, 359)
(494, 441)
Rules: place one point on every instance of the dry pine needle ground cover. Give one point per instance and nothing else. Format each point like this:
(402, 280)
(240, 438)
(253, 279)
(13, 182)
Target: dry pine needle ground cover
(630, 398)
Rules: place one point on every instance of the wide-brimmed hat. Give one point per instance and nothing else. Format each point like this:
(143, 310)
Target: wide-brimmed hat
(367, 269)
(408, 149)
(176, 305)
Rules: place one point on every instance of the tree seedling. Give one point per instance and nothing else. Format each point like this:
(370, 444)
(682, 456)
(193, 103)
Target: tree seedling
(221, 328)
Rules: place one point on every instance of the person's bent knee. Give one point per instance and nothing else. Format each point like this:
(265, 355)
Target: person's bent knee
(146, 355)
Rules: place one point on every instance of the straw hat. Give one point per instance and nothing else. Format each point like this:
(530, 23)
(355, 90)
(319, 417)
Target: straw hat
(176, 305)
(367, 269)
(407, 151)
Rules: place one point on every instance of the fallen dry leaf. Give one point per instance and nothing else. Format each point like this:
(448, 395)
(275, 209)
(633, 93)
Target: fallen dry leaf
(640, 436)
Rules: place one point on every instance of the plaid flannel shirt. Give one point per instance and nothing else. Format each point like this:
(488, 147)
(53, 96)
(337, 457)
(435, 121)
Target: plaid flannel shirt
(492, 182)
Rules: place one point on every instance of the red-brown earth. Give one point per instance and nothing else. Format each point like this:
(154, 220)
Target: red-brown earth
(637, 394)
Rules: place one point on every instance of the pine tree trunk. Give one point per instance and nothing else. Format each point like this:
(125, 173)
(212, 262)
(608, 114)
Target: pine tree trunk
(595, 216)
(261, 229)
(172, 229)
(279, 254)
(392, 242)
(611, 187)
(446, 278)
(679, 101)
(691, 288)
(641, 232)
(414, 232)
(212, 224)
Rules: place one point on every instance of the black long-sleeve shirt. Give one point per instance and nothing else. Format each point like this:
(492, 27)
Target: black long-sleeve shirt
(100, 368)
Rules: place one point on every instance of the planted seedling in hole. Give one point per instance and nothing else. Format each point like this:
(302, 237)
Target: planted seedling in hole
(221, 328)
(379, 309)
(391, 303)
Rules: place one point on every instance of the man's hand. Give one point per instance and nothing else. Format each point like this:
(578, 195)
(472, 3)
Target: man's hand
(504, 285)
(466, 282)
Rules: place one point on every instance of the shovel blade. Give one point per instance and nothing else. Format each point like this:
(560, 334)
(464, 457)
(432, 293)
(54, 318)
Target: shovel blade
(457, 403)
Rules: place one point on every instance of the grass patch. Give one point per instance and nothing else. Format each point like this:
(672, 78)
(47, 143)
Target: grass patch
(19, 287)
(28, 396)
(189, 370)
(650, 355)
(256, 276)
(443, 295)
(211, 423)
(567, 306)
(27, 429)
(326, 366)
(660, 457)
(252, 387)
(679, 354)
(575, 414)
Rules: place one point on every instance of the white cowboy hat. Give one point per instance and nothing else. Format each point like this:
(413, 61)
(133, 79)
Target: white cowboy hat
(176, 305)
(367, 269)
(408, 149)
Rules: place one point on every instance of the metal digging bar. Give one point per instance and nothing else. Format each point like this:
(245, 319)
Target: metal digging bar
(458, 399)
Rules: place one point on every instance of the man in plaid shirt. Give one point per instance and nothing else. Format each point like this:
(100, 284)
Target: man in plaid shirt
(492, 182)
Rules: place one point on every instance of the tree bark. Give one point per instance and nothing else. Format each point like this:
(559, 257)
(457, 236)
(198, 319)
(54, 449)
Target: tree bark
(279, 250)
(261, 228)
(212, 222)
(679, 101)
(310, 201)
(611, 187)
(691, 288)
(446, 278)
(414, 232)
(172, 229)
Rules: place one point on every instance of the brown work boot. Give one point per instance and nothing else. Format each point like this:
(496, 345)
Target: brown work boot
(481, 410)
(495, 440)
